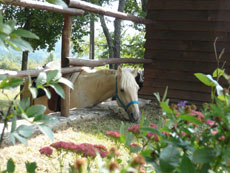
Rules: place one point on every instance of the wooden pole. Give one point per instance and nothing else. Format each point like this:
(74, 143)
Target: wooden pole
(106, 11)
(43, 6)
(101, 62)
(66, 37)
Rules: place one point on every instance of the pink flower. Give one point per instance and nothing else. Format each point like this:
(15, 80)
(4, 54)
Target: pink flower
(46, 150)
(134, 145)
(199, 115)
(211, 123)
(115, 134)
(153, 136)
(135, 128)
(153, 125)
(102, 150)
(221, 138)
(64, 145)
(214, 132)
(183, 133)
(166, 133)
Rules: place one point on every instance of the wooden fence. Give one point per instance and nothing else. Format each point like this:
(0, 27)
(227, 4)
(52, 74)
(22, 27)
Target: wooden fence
(66, 35)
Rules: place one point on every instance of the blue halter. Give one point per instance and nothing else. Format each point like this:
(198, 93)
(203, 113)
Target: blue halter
(123, 105)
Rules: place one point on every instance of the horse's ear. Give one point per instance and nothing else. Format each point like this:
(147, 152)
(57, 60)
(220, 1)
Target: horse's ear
(135, 71)
(119, 71)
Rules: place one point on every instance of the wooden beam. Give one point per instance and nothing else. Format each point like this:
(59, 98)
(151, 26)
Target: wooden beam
(101, 62)
(66, 38)
(43, 6)
(106, 11)
(35, 73)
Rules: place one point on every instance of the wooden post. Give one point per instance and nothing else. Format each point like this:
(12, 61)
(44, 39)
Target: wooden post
(66, 36)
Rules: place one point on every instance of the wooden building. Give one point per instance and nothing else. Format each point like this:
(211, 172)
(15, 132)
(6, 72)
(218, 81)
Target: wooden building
(180, 44)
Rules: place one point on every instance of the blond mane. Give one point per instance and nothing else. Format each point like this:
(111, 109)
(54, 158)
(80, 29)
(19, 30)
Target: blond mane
(128, 80)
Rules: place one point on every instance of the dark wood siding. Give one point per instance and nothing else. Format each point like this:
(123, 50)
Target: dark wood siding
(180, 42)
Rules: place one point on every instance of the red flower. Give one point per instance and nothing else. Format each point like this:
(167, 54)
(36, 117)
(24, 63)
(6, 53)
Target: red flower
(134, 128)
(221, 138)
(46, 150)
(153, 125)
(211, 123)
(153, 136)
(115, 134)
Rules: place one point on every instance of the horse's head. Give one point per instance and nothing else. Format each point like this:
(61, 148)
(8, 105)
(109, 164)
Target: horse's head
(127, 92)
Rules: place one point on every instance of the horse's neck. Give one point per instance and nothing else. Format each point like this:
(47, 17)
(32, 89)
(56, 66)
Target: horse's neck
(93, 88)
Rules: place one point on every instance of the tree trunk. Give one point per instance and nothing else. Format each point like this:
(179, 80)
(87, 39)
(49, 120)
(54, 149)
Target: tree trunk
(24, 60)
(144, 5)
(117, 32)
(91, 40)
(108, 38)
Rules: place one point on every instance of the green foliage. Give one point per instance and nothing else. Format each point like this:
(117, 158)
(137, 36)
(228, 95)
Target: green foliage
(35, 114)
(11, 36)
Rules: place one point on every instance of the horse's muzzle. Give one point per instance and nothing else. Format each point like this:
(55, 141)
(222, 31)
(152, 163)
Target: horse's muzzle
(134, 117)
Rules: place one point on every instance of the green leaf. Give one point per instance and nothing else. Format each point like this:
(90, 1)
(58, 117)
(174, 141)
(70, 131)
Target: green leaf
(20, 138)
(66, 82)
(128, 139)
(25, 131)
(35, 110)
(2, 77)
(169, 158)
(12, 138)
(25, 33)
(14, 123)
(6, 29)
(206, 79)
(135, 149)
(204, 155)
(165, 94)
(165, 107)
(218, 72)
(53, 75)
(42, 78)
(21, 44)
(187, 165)
(48, 94)
(122, 132)
(189, 118)
(58, 89)
(46, 130)
(9, 83)
(45, 119)
(31, 167)
(34, 92)
(10, 166)
(24, 103)
(152, 130)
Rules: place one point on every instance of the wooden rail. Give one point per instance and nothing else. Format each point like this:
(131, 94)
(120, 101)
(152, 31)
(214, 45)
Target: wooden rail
(43, 6)
(35, 73)
(101, 62)
(106, 11)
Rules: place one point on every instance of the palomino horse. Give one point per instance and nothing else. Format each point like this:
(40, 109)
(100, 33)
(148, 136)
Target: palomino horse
(93, 87)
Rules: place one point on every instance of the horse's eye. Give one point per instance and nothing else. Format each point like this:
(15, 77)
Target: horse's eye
(122, 90)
